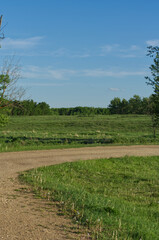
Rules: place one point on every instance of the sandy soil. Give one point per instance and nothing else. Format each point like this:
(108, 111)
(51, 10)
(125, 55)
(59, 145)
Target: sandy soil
(22, 216)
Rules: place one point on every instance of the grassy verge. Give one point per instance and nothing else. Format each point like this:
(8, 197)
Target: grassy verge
(46, 132)
(116, 198)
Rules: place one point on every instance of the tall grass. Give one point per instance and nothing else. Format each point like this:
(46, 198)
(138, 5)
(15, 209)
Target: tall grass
(42, 132)
(116, 198)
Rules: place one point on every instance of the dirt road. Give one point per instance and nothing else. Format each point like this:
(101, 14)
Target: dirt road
(22, 217)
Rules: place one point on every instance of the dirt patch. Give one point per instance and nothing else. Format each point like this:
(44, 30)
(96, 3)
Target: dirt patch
(22, 216)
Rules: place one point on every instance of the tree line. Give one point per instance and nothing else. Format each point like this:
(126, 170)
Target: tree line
(30, 108)
(135, 105)
(82, 111)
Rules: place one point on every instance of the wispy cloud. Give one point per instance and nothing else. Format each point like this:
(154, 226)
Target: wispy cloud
(107, 73)
(134, 48)
(25, 47)
(61, 73)
(153, 43)
(39, 84)
(34, 72)
(128, 56)
(116, 49)
(63, 52)
(57, 53)
(108, 48)
(49, 73)
(114, 89)
(10, 43)
(120, 51)
(60, 52)
(84, 55)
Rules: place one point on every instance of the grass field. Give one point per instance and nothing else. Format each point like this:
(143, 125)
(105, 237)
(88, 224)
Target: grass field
(115, 198)
(43, 132)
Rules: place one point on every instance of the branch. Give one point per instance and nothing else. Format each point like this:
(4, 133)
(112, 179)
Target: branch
(1, 21)
(1, 34)
(9, 89)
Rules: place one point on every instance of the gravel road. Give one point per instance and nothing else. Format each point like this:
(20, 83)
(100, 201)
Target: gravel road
(23, 217)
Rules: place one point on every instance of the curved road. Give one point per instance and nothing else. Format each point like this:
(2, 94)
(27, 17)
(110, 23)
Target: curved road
(24, 217)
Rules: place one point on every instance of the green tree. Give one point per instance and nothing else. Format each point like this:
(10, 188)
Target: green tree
(135, 105)
(42, 108)
(154, 82)
(4, 80)
(9, 90)
(124, 106)
(115, 106)
(147, 105)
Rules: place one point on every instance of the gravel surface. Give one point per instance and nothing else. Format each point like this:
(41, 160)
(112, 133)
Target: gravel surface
(24, 217)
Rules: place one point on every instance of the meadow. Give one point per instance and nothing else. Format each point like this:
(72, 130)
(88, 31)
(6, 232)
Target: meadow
(114, 198)
(46, 132)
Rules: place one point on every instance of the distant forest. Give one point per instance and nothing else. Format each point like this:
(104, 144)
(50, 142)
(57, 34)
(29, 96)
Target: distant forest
(135, 105)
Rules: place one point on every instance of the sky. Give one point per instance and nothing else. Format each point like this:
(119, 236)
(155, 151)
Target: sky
(80, 52)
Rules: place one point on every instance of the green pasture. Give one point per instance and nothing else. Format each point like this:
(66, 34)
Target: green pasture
(117, 199)
(44, 132)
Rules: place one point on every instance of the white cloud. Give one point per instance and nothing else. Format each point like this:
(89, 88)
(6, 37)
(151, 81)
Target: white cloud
(114, 89)
(67, 53)
(116, 49)
(106, 73)
(60, 52)
(85, 55)
(61, 73)
(108, 48)
(39, 84)
(49, 73)
(153, 43)
(26, 43)
(134, 47)
(97, 73)
(128, 55)
(34, 72)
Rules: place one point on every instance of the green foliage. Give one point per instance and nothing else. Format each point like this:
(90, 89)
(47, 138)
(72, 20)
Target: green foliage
(4, 81)
(115, 106)
(4, 119)
(134, 105)
(154, 82)
(115, 198)
(30, 108)
(82, 111)
(8, 89)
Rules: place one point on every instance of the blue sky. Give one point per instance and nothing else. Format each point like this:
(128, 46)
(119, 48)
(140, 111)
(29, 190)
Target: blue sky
(81, 52)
